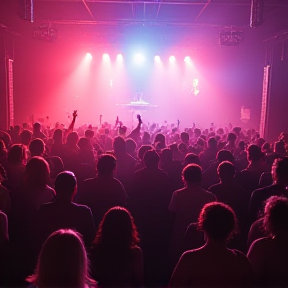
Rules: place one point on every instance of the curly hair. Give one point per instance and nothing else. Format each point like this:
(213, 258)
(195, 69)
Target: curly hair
(218, 221)
(117, 230)
(276, 215)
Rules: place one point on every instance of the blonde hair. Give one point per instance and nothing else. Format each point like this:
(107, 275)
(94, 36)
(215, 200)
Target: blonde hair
(62, 262)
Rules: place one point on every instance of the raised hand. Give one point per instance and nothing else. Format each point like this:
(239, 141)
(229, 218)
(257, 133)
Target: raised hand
(75, 114)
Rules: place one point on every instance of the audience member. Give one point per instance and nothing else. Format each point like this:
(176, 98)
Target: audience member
(214, 265)
(62, 262)
(63, 213)
(103, 191)
(278, 188)
(268, 255)
(116, 259)
(186, 205)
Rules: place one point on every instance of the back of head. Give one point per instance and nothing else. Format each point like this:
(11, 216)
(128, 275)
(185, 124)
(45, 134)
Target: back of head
(151, 159)
(254, 153)
(106, 164)
(89, 134)
(226, 170)
(276, 216)
(16, 154)
(36, 126)
(117, 230)
(84, 144)
(25, 136)
(130, 146)
(62, 262)
(65, 184)
(36, 147)
(184, 136)
(160, 138)
(143, 150)
(218, 221)
(58, 136)
(192, 174)
(282, 169)
(231, 137)
(36, 172)
(72, 139)
(225, 155)
(191, 158)
(119, 145)
(212, 143)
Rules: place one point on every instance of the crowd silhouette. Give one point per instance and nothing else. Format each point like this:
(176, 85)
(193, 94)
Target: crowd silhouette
(154, 206)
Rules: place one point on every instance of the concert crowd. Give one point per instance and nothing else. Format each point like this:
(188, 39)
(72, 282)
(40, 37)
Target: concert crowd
(154, 206)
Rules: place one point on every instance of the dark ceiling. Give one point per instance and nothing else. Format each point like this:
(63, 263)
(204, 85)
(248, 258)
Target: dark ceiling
(177, 12)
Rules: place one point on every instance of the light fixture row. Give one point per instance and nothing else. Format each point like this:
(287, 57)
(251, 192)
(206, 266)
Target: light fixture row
(139, 58)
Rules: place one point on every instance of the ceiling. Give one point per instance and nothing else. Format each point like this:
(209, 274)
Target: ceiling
(211, 13)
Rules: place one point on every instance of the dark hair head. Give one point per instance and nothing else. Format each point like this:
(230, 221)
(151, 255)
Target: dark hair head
(151, 158)
(130, 146)
(225, 155)
(160, 138)
(62, 262)
(142, 151)
(182, 148)
(89, 134)
(201, 142)
(226, 170)
(166, 155)
(276, 215)
(16, 154)
(191, 174)
(25, 136)
(37, 172)
(254, 153)
(197, 132)
(65, 184)
(58, 136)
(37, 126)
(218, 221)
(84, 143)
(191, 158)
(282, 169)
(146, 137)
(184, 136)
(231, 137)
(117, 230)
(119, 145)
(72, 139)
(106, 164)
(212, 143)
(36, 147)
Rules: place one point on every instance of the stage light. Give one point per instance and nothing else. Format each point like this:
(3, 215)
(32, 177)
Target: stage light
(230, 38)
(157, 58)
(119, 57)
(172, 59)
(106, 57)
(88, 56)
(139, 58)
(187, 59)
